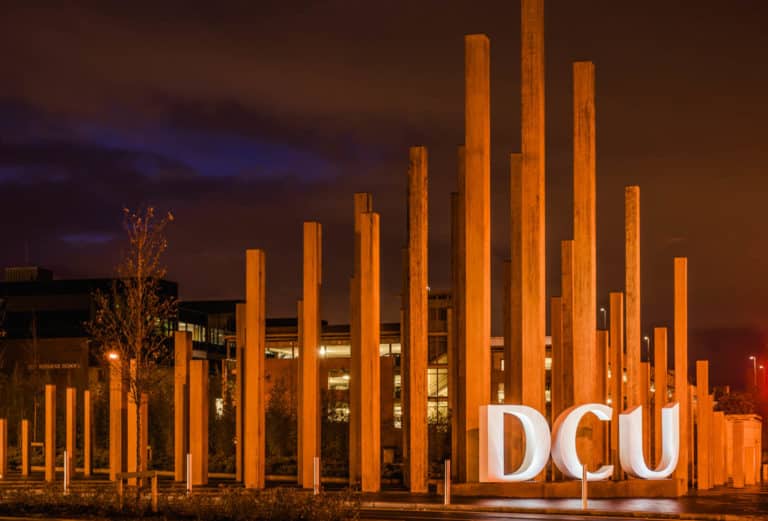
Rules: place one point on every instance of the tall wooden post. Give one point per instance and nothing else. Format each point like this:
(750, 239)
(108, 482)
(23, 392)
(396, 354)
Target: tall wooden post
(363, 203)
(456, 355)
(704, 431)
(118, 403)
(632, 284)
(238, 401)
(567, 291)
(50, 433)
(70, 428)
(681, 363)
(3, 448)
(182, 341)
(660, 385)
(477, 247)
(528, 300)
(367, 390)
(253, 373)
(645, 401)
(198, 420)
(309, 344)
(417, 327)
(719, 448)
(616, 340)
(87, 434)
(557, 376)
(25, 446)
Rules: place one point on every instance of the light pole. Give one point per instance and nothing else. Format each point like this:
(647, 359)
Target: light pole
(754, 369)
(604, 314)
(647, 341)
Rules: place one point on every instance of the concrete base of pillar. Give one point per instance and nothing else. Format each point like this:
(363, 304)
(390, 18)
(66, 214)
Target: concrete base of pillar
(635, 488)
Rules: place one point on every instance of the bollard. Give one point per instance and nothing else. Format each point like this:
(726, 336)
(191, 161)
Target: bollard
(584, 487)
(189, 473)
(316, 475)
(447, 483)
(154, 492)
(120, 491)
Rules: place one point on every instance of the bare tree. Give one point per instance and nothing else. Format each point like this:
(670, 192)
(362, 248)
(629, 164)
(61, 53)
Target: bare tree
(132, 321)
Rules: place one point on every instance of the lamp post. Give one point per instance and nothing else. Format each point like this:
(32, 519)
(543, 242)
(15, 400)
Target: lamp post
(754, 369)
(604, 314)
(647, 341)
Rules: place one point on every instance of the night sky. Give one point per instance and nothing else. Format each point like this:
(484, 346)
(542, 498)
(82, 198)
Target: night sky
(247, 118)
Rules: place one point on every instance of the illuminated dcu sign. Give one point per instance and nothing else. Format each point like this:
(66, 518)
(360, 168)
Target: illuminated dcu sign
(563, 442)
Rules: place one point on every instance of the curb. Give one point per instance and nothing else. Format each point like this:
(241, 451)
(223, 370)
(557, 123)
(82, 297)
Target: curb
(434, 507)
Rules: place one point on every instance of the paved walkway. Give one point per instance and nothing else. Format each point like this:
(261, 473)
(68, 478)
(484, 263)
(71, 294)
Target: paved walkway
(720, 503)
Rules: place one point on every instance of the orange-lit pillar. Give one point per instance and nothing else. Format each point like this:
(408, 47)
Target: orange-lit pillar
(632, 286)
(198, 420)
(556, 385)
(704, 430)
(718, 448)
(87, 434)
(476, 327)
(3, 448)
(309, 344)
(25, 447)
(616, 341)
(456, 354)
(660, 386)
(238, 400)
(118, 403)
(363, 203)
(417, 327)
(70, 427)
(50, 433)
(645, 401)
(182, 341)
(253, 369)
(528, 230)
(681, 363)
(567, 287)
(369, 375)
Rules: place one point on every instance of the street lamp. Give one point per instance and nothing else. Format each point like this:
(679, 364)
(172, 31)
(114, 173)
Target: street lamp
(647, 341)
(604, 314)
(754, 368)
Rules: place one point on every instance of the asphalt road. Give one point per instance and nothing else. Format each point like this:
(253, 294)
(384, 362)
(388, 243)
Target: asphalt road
(389, 515)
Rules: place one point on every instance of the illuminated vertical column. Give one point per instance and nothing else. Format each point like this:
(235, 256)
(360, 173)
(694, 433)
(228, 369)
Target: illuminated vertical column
(616, 340)
(363, 203)
(118, 403)
(738, 454)
(87, 434)
(513, 321)
(718, 448)
(198, 420)
(25, 447)
(531, 234)
(681, 363)
(70, 427)
(476, 314)
(417, 314)
(369, 376)
(603, 455)
(704, 429)
(660, 386)
(632, 287)
(309, 344)
(556, 371)
(456, 354)
(182, 341)
(238, 400)
(3, 448)
(50, 433)
(253, 369)
(567, 283)
(584, 234)
(585, 352)
(645, 401)
(137, 430)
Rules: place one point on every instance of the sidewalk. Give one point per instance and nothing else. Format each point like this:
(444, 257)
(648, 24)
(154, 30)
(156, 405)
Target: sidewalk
(722, 504)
